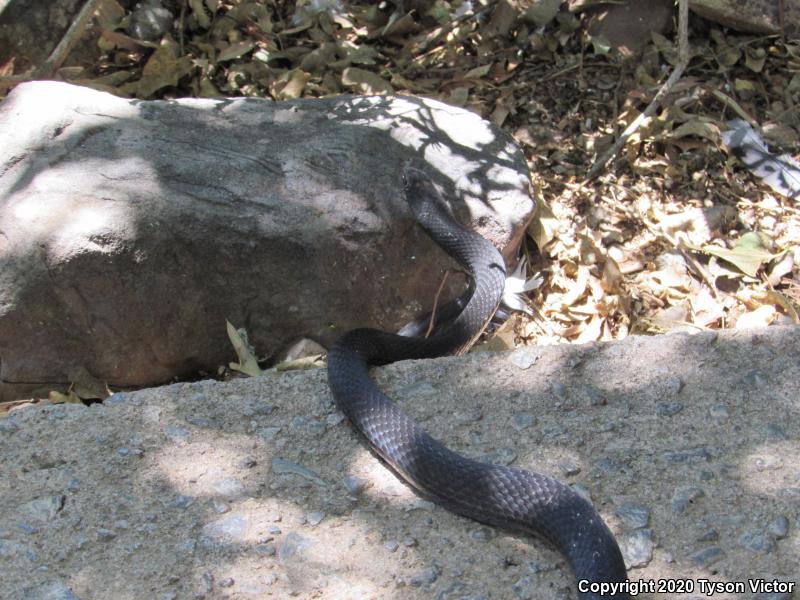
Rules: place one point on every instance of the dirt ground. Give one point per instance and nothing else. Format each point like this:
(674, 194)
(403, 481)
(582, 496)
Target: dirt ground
(689, 447)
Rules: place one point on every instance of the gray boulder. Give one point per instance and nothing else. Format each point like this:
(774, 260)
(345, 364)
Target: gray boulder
(130, 231)
(757, 16)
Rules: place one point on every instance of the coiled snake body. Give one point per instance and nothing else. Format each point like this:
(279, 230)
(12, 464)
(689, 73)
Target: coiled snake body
(506, 497)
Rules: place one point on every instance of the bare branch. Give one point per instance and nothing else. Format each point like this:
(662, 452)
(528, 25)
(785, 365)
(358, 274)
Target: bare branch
(683, 61)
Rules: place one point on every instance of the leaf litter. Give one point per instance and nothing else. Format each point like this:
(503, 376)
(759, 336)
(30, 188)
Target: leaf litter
(676, 234)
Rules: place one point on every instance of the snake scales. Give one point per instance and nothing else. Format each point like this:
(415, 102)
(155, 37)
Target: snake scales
(506, 497)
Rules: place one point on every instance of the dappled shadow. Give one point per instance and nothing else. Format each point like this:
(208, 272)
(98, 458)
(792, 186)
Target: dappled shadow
(143, 226)
(633, 421)
(468, 142)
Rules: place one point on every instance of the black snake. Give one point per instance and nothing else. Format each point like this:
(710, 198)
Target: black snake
(506, 497)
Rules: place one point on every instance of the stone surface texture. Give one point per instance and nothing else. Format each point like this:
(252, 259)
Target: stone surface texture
(759, 16)
(130, 231)
(689, 446)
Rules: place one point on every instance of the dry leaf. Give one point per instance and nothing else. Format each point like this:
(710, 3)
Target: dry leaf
(247, 361)
(7, 68)
(611, 279)
(781, 268)
(118, 39)
(706, 310)
(234, 51)
(365, 82)
(760, 317)
(673, 317)
(109, 15)
(199, 13)
(503, 339)
(315, 361)
(163, 69)
(755, 58)
(748, 255)
(478, 72)
(699, 128)
(592, 331)
(758, 298)
(290, 86)
(458, 96)
(87, 386)
(544, 225)
(70, 397)
(578, 288)
(744, 86)
(728, 55)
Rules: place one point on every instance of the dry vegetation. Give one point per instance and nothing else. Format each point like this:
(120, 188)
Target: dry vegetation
(675, 233)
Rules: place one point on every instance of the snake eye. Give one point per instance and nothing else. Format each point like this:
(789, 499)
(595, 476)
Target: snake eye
(413, 176)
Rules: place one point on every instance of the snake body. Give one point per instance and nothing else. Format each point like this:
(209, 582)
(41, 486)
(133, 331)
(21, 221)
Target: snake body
(501, 496)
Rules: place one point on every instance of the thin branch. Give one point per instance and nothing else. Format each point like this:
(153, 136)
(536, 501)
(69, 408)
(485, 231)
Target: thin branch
(7, 81)
(436, 304)
(734, 106)
(683, 61)
(57, 57)
(71, 37)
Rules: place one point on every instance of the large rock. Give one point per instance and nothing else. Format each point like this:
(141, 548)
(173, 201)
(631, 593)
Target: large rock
(627, 23)
(132, 230)
(757, 16)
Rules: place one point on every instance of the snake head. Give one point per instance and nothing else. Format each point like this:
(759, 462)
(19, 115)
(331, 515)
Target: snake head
(421, 194)
(414, 177)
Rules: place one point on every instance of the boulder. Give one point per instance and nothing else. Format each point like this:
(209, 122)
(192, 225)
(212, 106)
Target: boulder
(629, 27)
(759, 16)
(627, 24)
(132, 230)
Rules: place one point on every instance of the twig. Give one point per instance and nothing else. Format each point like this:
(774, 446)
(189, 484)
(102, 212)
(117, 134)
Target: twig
(734, 106)
(435, 304)
(181, 26)
(76, 29)
(683, 61)
(9, 80)
(57, 57)
(694, 265)
(678, 245)
(558, 73)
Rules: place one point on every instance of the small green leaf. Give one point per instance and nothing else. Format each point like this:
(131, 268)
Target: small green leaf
(747, 256)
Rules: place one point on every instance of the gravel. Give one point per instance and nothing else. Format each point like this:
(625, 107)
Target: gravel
(689, 447)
